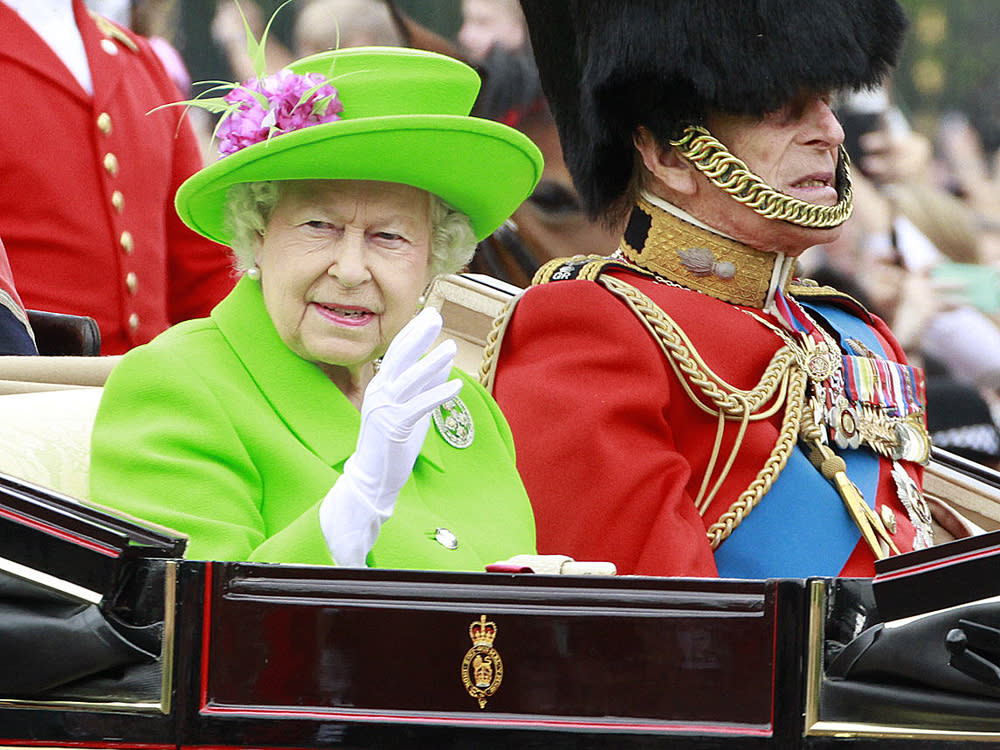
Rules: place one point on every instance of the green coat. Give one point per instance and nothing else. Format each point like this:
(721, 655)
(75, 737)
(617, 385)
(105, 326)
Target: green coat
(217, 430)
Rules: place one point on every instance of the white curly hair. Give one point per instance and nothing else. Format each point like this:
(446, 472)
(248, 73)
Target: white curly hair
(249, 206)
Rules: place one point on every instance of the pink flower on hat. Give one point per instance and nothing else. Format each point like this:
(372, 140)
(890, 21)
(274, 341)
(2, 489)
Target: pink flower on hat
(281, 103)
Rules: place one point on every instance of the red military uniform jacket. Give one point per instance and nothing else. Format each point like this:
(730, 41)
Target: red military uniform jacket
(613, 449)
(86, 199)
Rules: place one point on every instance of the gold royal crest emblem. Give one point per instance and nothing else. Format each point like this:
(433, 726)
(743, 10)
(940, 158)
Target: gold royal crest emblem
(482, 667)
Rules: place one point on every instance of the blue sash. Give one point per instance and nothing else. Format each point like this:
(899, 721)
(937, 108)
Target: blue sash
(801, 527)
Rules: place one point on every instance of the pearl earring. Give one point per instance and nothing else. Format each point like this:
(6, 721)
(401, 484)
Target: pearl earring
(253, 273)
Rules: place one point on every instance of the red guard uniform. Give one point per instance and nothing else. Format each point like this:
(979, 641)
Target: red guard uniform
(618, 452)
(86, 200)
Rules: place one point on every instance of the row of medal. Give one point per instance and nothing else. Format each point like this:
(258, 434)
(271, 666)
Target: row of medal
(870, 400)
(862, 398)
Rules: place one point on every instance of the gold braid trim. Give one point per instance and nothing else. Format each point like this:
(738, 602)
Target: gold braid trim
(111, 31)
(834, 469)
(783, 371)
(591, 267)
(719, 531)
(731, 174)
(783, 384)
(491, 349)
(691, 368)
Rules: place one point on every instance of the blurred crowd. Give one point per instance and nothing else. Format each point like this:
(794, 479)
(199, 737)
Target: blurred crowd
(922, 249)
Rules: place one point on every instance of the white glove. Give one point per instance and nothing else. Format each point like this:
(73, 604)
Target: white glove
(395, 415)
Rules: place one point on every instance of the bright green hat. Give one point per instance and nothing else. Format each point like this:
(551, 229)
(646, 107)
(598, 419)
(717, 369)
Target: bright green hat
(405, 119)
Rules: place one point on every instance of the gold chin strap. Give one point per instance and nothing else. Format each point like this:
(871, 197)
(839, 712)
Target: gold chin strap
(725, 171)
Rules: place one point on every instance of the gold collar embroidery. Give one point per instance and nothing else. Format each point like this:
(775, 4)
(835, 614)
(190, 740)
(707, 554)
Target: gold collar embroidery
(696, 258)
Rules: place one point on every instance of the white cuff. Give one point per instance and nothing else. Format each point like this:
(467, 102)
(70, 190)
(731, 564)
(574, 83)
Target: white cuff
(349, 522)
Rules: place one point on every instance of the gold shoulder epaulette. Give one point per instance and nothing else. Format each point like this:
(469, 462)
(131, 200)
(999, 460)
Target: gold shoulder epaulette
(586, 267)
(811, 291)
(583, 267)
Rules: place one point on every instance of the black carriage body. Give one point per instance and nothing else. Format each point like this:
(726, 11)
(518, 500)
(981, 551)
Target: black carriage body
(276, 656)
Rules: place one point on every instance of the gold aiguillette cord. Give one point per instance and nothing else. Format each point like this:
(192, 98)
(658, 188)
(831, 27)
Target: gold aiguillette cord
(834, 469)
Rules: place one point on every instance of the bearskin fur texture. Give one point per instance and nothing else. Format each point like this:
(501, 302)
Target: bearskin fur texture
(608, 67)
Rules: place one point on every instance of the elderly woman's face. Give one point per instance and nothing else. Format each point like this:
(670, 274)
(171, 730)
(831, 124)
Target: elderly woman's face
(343, 264)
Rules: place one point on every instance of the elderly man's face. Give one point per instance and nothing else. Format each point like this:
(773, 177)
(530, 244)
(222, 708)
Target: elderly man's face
(343, 264)
(794, 150)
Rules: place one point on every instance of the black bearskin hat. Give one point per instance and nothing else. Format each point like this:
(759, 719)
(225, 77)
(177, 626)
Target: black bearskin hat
(609, 66)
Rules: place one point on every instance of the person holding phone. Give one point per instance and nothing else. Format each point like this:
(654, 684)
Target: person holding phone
(913, 248)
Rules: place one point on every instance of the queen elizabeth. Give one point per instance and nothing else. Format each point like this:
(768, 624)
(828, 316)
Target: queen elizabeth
(294, 423)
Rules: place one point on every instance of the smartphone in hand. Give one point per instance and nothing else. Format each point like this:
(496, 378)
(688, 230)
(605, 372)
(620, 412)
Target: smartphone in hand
(975, 284)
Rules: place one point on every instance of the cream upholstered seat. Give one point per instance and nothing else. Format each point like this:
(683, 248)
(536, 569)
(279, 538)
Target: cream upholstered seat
(21, 374)
(47, 408)
(46, 437)
(469, 302)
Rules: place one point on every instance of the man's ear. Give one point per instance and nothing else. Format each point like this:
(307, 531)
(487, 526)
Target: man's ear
(666, 167)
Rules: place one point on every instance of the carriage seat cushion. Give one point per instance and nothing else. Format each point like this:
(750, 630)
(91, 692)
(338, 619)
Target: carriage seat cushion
(46, 437)
(469, 302)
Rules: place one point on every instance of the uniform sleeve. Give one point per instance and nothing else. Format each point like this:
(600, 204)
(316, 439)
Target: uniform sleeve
(165, 450)
(200, 271)
(587, 391)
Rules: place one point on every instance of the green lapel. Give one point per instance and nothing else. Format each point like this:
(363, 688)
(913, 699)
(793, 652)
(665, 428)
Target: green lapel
(302, 396)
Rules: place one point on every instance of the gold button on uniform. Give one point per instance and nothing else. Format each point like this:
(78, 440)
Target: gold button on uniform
(111, 164)
(133, 321)
(118, 201)
(104, 122)
(131, 281)
(127, 243)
